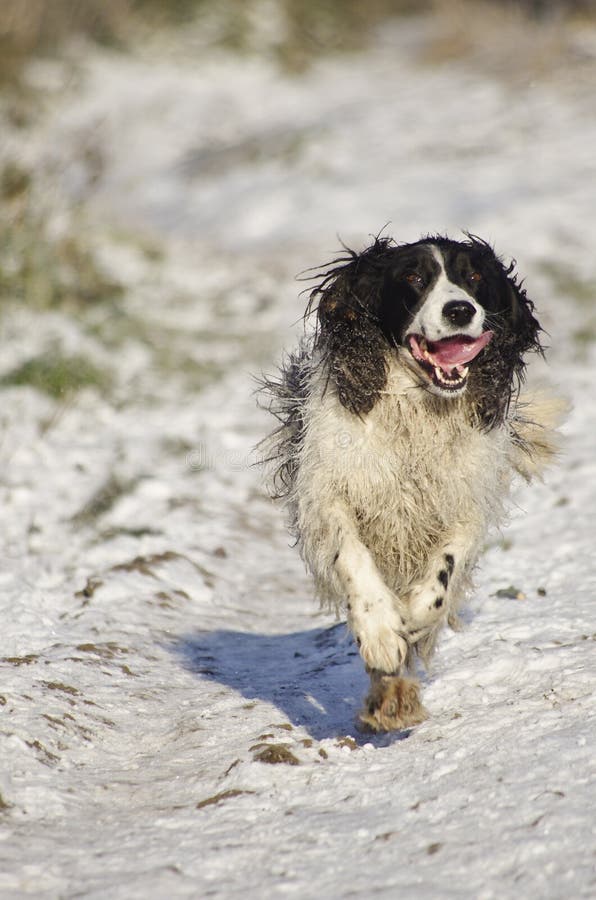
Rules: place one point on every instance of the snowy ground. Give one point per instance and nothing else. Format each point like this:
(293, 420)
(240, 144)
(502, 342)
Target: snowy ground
(158, 632)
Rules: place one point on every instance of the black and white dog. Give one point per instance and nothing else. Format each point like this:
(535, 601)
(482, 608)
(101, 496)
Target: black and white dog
(401, 429)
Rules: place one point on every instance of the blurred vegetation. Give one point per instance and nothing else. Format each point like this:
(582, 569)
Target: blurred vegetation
(304, 27)
(568, 284)
(58, 374)
(39, 266)
(104, 499)
(48, 268)
(296, 30)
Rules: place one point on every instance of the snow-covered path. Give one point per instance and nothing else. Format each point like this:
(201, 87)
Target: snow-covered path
(160, 644)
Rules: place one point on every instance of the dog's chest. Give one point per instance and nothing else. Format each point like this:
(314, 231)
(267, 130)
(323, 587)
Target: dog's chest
(413, 467)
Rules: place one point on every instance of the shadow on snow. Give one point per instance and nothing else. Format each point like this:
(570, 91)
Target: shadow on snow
(315, 677)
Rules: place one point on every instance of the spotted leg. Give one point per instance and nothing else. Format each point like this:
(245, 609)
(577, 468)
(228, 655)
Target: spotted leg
(436, 598)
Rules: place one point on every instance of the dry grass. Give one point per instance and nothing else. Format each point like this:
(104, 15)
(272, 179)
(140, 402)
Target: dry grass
(35, 26)
(37, 266)
(303, 29)
(30, 28)
(294, 31)
(509, 39)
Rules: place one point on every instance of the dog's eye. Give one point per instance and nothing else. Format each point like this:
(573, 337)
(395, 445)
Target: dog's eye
(475, 277)
(414, 279)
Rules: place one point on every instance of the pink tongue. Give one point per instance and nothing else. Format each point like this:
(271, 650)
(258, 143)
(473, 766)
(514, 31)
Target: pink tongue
(457, 351)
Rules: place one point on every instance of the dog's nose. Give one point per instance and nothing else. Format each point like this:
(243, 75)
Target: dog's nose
(459, 312)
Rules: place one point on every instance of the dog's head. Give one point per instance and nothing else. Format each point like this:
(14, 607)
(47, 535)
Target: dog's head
(453, 312)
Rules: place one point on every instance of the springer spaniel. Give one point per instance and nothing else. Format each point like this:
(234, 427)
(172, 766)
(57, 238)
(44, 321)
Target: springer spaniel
(401, 429)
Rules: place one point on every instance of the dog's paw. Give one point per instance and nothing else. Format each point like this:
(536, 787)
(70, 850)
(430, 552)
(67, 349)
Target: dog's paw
(393, 703)
(380, 634)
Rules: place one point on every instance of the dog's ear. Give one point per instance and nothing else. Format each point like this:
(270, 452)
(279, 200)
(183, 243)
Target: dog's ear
(350, 337)
(520, 330)
(503, 367)
(525, 326)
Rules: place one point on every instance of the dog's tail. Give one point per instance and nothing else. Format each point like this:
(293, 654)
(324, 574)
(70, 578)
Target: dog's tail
(534, 425)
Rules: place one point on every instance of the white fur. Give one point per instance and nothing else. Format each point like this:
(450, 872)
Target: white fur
(382, 501)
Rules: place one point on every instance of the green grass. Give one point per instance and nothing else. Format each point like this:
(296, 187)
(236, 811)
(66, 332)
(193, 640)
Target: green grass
(58, 375)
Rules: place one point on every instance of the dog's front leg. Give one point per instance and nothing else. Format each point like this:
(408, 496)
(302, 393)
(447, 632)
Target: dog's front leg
(374, 617)
(438, 595)
(393, 701)
(337, 557)
(373, 610)
(340, 561)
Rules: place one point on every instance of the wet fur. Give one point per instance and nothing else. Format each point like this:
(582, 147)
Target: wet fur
(390, 488)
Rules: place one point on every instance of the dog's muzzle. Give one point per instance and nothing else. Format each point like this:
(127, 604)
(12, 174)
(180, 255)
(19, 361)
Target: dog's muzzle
(446, 362)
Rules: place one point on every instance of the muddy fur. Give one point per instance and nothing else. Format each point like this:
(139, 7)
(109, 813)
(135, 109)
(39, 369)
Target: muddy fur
(393, 703)
(391, 485)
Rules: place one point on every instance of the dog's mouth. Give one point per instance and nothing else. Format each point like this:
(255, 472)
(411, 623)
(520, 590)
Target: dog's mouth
(446, 362)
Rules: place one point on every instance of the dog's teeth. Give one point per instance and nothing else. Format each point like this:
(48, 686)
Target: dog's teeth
(454, 378)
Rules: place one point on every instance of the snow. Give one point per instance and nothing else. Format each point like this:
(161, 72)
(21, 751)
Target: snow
(152, 648)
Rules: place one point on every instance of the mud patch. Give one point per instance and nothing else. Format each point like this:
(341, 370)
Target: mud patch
(222, 797)
(275, 753)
